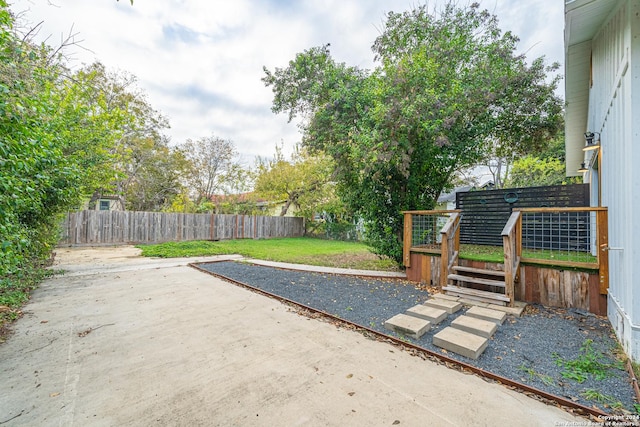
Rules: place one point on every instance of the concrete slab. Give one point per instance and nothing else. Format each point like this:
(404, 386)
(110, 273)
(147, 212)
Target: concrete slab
(516, 310)
(159, 344)
(491, 315)
(446, 305)
(432, 314)
(460, 342)
(484, 328)
(466, 301)
(408, 325)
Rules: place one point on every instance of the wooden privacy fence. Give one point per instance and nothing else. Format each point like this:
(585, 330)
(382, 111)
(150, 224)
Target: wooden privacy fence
(126, 227)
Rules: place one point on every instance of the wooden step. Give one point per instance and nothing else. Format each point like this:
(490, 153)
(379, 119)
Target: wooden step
(477, 295)
(478, 280)
(480, 271)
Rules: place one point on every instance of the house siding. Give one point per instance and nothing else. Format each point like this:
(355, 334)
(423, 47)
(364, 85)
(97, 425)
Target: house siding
(614, 112)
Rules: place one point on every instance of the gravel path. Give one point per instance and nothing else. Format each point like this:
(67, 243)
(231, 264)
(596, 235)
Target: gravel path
(530, 349)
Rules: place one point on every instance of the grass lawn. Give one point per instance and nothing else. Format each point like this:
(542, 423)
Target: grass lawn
(329, 253)
(496, 254)
(301, 250)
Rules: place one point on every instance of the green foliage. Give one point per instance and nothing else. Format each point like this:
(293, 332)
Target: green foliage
(595, 395)
(544, 168)
(304, 182)
(589, 362)
(531, 171)
(59, 136)
(447, 86)
(532, 374)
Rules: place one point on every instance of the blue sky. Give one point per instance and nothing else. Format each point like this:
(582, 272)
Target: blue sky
(200, 61)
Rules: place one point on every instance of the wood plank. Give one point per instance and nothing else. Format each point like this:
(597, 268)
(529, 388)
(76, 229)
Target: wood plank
(407, 239)
(473, 270)
(476, 293)
(478, 280)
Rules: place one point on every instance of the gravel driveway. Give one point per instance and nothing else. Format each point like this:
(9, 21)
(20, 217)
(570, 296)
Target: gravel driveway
(533, 349)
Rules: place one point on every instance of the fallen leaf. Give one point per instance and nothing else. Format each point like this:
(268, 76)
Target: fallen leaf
(350, 376)
(396, 422)
(351, 393)
(44, 321)
(54, 394)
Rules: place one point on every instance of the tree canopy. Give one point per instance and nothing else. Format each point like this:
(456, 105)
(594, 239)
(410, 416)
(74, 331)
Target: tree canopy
(447, 86)
(304, 181)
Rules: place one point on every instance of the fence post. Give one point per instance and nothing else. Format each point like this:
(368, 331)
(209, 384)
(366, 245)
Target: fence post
(602, 221)
(408, 232)
(511, 242)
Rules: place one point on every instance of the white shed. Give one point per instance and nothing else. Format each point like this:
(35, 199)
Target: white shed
(602, 90)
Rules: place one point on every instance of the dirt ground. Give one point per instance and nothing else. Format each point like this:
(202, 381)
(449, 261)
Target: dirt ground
(128, 341)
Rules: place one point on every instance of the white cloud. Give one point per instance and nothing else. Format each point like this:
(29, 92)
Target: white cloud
(200, 61)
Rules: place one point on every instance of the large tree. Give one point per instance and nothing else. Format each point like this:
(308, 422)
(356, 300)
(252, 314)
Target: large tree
(214, 166)
(447, 84)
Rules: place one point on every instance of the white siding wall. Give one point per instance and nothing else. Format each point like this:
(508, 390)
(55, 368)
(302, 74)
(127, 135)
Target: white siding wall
(614, 111)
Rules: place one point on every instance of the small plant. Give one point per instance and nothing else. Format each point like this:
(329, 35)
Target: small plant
(546, 379)
(589, 362)
(591, 394)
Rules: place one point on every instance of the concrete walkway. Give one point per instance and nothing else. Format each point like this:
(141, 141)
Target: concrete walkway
(125, 341)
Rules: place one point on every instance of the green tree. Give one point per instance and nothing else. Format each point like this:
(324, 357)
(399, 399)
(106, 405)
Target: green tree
(155, 178)
(53, 147)
(447, 84)
(304, 182)
(544, 168)
(123, 117)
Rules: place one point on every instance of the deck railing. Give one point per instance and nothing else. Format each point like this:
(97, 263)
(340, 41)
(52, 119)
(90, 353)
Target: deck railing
(511, 243)
(450, 246)
(435, 232)
(557, 237)
(560, 237)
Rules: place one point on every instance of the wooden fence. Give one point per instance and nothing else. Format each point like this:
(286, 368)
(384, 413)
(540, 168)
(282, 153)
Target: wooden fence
(126, 227)
(484, 213)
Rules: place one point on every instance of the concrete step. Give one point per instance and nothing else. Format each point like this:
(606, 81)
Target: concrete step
(475, 294)
(516, 310)
(408, 325)
(478, 280)
(487, 314)
(479, 271)
(473, 325)
(432, 314)
(446, 305)
(460, 342)
(444, 296)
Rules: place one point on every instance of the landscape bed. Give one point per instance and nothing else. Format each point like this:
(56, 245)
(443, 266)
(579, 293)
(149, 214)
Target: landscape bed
(564, 352)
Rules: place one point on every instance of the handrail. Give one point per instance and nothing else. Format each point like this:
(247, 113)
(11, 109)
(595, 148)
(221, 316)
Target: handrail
(433, 211)
(559, 209)
(512, 245)
(450, 246)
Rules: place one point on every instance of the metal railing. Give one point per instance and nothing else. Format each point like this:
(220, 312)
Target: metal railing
(560, 237)
(422, 231)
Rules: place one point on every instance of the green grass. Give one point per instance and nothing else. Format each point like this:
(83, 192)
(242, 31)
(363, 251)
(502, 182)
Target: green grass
(590, 362)
(595, 395)
(496, 254)
(14, 292)
(302, 250)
